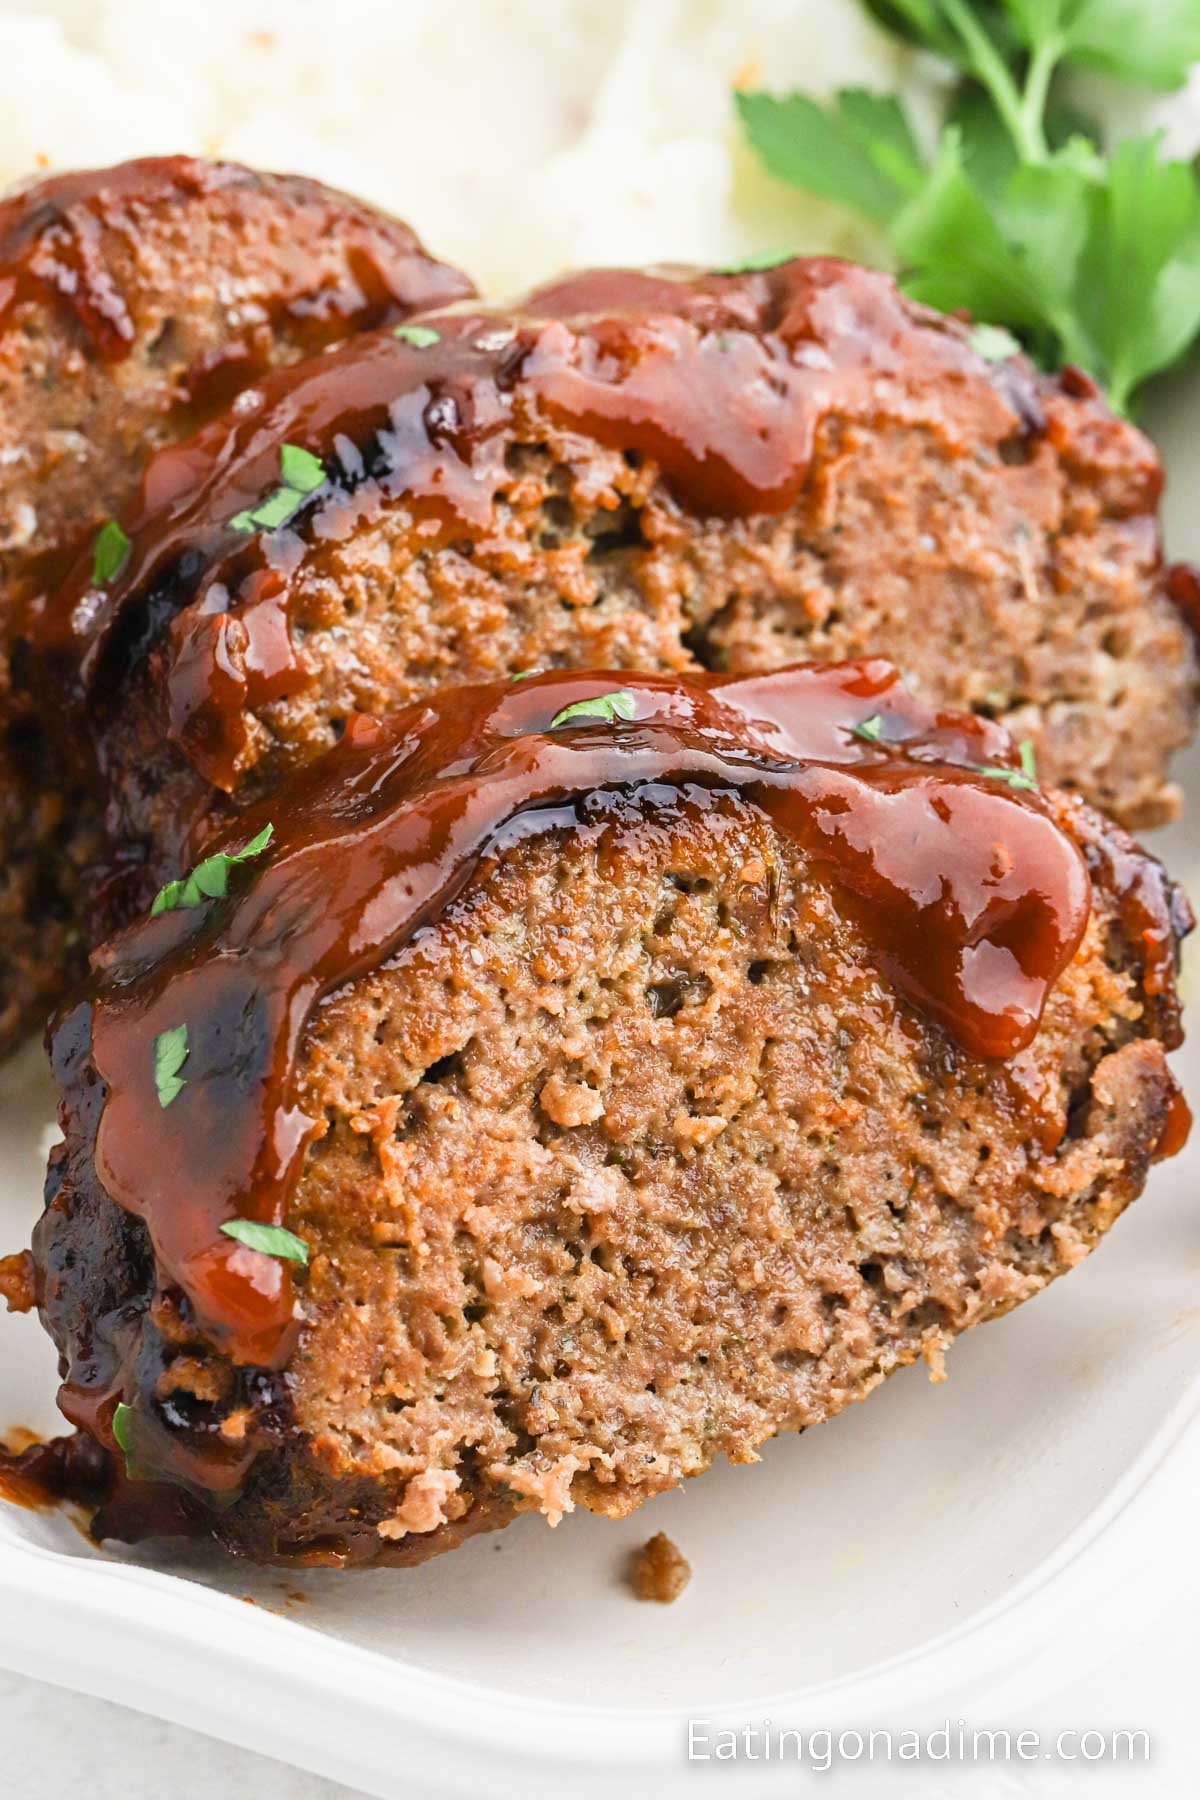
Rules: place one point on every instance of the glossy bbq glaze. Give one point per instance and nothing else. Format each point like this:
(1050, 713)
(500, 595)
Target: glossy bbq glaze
(720, 380)
(158, 291)
(973, 899)
(136, 303)
(53, 251)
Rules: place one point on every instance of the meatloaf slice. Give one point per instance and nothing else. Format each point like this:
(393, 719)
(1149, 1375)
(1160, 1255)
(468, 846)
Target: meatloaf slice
(634, 1072)
(654, 471)
(135, 303)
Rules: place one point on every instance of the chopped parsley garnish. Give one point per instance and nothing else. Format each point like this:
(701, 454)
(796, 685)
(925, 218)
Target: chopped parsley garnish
(122, 1424)
(1025, 776)
(1013, 778)
(420, 336)
(209, 880)
(524, 674)
(870, 730)
(109, 553)
(761, 259)
(271, 1240)
(1021, 215)
(302, 474)
(609, 707)
(300, 469)
(120, 1427)
(993, 343)
(170, 1054)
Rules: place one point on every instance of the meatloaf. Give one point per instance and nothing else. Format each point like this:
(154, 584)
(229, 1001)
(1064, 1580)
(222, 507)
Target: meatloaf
(135, 303)
(659, 471)
(583, 1078)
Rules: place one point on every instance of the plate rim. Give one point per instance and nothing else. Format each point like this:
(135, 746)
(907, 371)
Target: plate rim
(120, 1617)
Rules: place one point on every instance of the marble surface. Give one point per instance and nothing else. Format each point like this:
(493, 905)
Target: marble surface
(49, 1736)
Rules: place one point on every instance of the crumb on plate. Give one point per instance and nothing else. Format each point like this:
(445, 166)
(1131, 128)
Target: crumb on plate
(660, 1571)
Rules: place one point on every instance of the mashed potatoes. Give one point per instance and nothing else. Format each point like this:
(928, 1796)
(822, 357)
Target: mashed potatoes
(518, 136)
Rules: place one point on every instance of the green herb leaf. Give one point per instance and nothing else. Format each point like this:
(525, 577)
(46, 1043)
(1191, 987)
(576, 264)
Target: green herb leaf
(989, 155)
(1013, 778)
(524, 674)
(1139, 270)
(1035, 20)
(1020, 219)
(300, 469)
(870, 730)
(109, 553)
(860, 151)
(609, 707)
(271, 1240)
(920, 21)
(122, 1430)
(170, 1054)
(124, 1421)
(121, 1421)
(277, 509)
(1028, 759)
(303, 473)
(761, 259)
(1152, 43)
(1015, 264)
(421, 336)
(1044, 213)
(958, 252)
(209, 880)
(993, 343)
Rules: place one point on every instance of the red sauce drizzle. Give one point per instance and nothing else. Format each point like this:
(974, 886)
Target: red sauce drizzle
(62, 1468)
(77, 244)
(55, 239)
(1176, 1129)
(723, 381)
(1182, 582)
(971, 896)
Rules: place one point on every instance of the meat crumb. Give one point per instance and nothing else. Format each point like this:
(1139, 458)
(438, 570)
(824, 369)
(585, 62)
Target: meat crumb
(660, 1570)
(17, 1288)
(570, 1103)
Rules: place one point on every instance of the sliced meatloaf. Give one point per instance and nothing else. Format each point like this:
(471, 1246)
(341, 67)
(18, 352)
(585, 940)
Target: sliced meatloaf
(579, 1083)
(657, 471)
(135, 303)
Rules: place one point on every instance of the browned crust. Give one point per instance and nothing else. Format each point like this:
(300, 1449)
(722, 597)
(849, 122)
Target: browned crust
(135, 303)
(991, 532)
(1069, 1129)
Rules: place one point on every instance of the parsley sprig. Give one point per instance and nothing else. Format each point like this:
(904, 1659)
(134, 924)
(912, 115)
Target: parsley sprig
(122, 1430)
(110, 552)
(419, 336)
(170, 1054)
(620, 704)
(209, 880)
(761, 259)
(120, 1427)
(269, 1240)
(1024, 777)
(1019, 216)
(302, 472)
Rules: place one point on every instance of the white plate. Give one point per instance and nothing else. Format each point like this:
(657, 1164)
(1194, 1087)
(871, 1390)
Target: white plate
(910, 1548)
